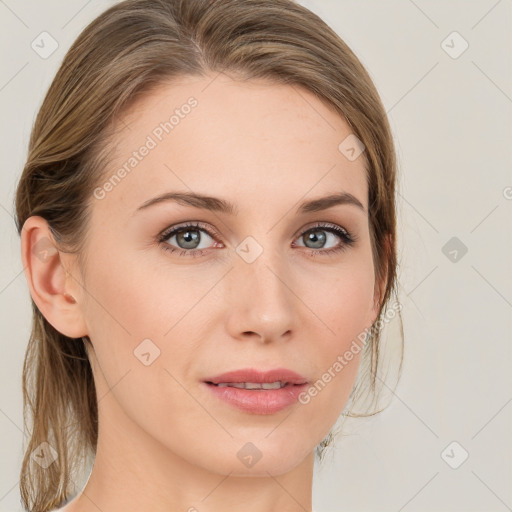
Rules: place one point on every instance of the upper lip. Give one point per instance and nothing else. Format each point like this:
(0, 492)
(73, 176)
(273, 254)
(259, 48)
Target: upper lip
(261, 376)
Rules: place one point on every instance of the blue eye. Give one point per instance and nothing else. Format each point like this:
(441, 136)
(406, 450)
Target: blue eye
(189, 237)
(311, 236)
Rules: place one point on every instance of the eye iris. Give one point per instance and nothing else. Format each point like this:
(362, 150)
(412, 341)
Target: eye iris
(317, 240)
(189, 237)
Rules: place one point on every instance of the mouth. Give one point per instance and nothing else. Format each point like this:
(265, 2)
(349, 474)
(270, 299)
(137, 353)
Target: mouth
(258, 391)
(254, 386)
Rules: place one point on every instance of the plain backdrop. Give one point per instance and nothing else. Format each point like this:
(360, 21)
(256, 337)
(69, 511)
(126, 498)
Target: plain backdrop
(443, 69)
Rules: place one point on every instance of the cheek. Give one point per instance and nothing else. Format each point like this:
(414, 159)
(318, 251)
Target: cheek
(130, 308)
(134, 309)
(343, 299)
(135, 299)
(344, 304)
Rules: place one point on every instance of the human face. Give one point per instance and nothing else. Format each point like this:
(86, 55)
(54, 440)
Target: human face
(243, 290)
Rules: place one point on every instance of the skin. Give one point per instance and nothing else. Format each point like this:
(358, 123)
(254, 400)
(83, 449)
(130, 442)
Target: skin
(165, 441)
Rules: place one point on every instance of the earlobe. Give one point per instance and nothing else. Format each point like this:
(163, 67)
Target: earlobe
(51, 285)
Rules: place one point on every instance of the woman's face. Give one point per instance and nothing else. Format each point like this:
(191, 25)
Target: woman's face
(260, 287)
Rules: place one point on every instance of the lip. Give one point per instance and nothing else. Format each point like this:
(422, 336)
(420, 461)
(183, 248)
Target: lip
(260, 376)
(259, 401)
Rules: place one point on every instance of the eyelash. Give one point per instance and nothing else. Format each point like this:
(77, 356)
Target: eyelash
(348, 239)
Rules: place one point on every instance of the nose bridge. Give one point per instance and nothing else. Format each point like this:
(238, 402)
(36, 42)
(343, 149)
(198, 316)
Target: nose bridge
(263, 267)
(263, 301)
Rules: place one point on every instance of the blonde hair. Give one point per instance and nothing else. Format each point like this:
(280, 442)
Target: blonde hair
(131, 48)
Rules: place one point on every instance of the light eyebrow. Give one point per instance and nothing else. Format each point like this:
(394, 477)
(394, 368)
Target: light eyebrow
(223, 206)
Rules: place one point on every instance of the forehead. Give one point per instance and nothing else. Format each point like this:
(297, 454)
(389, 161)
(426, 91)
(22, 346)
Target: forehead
(249, 140)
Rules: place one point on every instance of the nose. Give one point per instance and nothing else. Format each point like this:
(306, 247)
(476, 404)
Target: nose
(261, 304)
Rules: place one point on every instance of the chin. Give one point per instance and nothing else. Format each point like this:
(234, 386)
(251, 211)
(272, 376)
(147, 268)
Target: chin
(260, 457)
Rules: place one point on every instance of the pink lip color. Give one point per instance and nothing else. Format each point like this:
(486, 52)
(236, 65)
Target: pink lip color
(258, 401)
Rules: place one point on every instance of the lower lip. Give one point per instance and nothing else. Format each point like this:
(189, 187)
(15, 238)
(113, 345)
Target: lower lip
(259, 401)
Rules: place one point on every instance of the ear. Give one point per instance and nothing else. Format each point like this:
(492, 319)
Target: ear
(56, 291)
(380, 285)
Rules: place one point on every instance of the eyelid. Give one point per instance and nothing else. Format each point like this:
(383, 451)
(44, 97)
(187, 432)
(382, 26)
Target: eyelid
(191, 224)
(320, 225)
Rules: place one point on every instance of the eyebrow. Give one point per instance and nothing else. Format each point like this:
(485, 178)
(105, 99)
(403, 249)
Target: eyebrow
(216, 204)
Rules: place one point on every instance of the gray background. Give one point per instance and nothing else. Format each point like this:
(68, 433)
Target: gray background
(451, 118)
